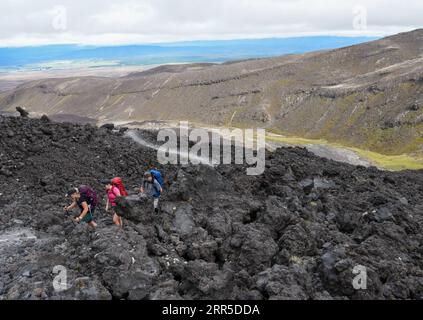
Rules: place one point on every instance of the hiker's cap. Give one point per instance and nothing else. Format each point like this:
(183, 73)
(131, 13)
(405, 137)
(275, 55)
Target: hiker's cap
(72, 192)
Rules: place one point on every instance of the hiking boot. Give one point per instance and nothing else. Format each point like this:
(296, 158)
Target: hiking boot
(156, 211)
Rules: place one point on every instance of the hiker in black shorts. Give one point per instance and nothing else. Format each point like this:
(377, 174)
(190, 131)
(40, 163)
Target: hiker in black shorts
(86, 206)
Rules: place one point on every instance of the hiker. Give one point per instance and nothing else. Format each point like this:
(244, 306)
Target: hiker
(118, 183)
(114, 189)
(157, 175)
(86, 199)
(151, 187)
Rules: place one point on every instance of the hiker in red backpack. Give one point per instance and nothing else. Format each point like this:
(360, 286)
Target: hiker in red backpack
(118, 183)
(86, 199)
(114, 189)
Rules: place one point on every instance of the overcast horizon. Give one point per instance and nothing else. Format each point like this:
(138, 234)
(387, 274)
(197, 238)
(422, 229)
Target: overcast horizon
(108, 22)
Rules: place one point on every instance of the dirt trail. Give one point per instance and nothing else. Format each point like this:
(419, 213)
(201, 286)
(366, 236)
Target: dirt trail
(320, 150)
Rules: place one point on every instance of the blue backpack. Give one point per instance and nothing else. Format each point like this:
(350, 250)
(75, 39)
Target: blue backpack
(158, 176)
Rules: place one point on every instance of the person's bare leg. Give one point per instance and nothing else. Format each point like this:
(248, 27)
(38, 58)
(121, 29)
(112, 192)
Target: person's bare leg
(117, 220)
(92, 224)
(156, 205)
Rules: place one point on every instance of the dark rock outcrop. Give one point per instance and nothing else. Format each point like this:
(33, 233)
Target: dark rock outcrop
(296, 232)
(22, 112)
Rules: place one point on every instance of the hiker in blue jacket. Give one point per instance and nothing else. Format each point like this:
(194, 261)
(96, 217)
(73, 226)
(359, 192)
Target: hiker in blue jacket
(152, 187)
(157, 175)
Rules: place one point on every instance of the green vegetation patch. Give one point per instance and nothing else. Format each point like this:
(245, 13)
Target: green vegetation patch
(388, 162)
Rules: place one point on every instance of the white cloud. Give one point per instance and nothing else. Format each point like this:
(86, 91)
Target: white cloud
(25, 22)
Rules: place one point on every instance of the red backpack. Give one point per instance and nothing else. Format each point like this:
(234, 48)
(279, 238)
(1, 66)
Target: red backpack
(117, 182)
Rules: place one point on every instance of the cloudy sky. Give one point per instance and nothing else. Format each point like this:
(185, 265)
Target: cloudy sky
(28, 22)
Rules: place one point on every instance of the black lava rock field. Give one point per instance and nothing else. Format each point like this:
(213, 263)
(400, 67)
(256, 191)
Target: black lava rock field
(299, 231)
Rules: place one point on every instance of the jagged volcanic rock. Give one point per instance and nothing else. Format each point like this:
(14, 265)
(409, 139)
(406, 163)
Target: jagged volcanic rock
(295, 232)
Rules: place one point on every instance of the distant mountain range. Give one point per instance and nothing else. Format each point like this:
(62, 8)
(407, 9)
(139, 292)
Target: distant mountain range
(74, 56)
(368, 95)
